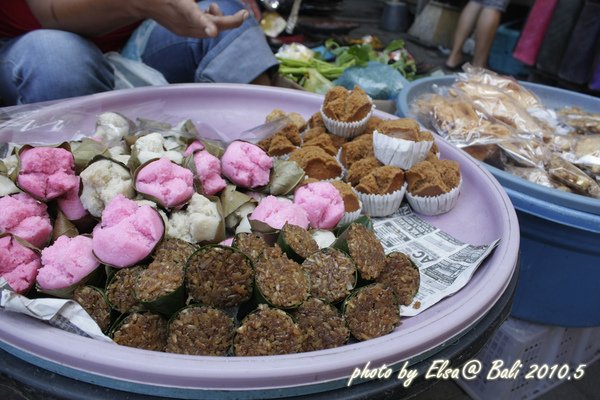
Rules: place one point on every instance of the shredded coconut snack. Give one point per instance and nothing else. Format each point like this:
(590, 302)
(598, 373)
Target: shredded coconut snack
(322, 203)
(127, 233)
(246, 165)
(18, 264)
(66, 262)
(199, 222)
(102, 181)
(170, 184)
(46, 173)
(23, 216)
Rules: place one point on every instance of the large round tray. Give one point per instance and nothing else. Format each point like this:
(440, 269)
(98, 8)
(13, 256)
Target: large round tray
(483, 214)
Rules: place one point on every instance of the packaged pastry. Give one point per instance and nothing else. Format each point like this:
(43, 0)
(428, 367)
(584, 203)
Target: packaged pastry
(267, 332)
(346, 112)
(571, 176)
(321, 324)
(200, 330)
(371, 311)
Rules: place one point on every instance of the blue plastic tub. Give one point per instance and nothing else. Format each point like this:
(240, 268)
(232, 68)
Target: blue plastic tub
(501, 54)
(560, 232)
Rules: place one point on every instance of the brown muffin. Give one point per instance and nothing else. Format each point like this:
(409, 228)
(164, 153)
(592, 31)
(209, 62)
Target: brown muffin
(323, 141)
(346, 106)
(337, 141)
(361, 168)
(356, 150)
(373, 124)
(402, 128)
(382, 180)
(433, 178)
(316, 163)
(350, 199)
(296, 119)
(426, 136)
(282, 142)
(313, 133)
(279, 146)
(316, 120)
(364, 136)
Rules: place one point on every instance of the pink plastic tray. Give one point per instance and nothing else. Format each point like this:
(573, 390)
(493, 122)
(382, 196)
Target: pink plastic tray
(483, 214)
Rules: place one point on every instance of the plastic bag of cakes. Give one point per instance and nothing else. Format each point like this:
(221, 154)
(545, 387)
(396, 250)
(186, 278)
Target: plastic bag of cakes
(346, 112)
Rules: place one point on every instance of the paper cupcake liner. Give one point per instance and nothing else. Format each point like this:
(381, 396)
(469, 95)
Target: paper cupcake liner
(381, 205)
(346, 129)
(399, 152)
(434, 205)
(351, 216)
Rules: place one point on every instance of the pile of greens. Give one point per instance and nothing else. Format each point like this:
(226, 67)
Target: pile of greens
(316, 74)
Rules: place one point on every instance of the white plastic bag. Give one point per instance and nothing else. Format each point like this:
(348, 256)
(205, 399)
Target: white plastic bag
(131, 74)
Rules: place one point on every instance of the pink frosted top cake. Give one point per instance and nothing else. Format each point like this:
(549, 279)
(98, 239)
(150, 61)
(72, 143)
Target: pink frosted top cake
(322, 203)
(275, 212)
(18, 264)
(246, 165)
(66, 262)
(209, 172)
(170, 184)
(70, 204)
(23, 216)
(127, 232)
(46, 173)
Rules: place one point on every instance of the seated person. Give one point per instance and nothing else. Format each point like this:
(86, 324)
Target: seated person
(53, 49)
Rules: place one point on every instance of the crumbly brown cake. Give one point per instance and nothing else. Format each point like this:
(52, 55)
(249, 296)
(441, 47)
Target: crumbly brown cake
(373, 124)
(283, 142)
(350, 199)
(322, 141)
(402, 128)
(346, 106)
(316, 120)
(321, 324)
(362, 168)
(426, 136)
(382, 180)
(356, 150)
(313, 133)
(401, 275)
(433, 178)
(316, 163)
(296, 119)
(372, 311)
(366, 251)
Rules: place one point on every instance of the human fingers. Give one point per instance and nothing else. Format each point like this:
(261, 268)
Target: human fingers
(213, 9)
(229, 21)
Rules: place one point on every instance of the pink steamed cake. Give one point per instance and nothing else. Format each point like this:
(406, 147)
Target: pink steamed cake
(246, 165)
(322, 203)
(70, 204)
(170, 184)
(276, 212)
(66, 262)
(193, 147)
(18, 264)
(127, 232)
(209, 172)
(46, 173)
(23, 216)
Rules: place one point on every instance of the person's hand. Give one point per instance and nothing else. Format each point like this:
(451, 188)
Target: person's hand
(184, 18)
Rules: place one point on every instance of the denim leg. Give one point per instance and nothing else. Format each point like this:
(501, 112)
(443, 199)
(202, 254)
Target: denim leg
(50, 64)
(237, 56)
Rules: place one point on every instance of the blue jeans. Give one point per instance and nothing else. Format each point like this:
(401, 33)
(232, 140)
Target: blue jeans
(50, 64)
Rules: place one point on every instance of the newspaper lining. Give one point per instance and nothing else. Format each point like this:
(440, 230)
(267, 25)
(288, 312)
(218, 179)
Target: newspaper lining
(445, 263)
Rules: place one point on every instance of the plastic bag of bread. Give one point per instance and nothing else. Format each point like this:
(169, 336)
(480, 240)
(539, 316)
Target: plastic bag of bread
(526, 153)
(581, 121)
(585, 153)
(535, 175)
(568, 174)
